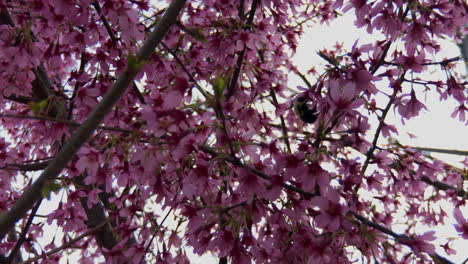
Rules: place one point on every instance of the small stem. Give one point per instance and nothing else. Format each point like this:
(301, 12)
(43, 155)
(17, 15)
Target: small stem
(67, 244)
(22, 237)
(283, 124)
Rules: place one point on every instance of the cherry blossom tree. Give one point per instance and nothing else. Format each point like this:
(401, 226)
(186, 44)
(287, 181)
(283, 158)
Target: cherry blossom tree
(130, 113)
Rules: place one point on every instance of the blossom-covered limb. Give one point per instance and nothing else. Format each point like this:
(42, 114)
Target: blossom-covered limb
(24, 231)
(258, 173)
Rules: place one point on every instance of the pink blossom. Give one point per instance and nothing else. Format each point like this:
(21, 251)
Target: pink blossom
(419, 243)
(410, 108)
(462, 223)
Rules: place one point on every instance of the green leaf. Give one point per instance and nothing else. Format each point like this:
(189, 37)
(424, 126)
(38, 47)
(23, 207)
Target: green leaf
(219, 84)
(38, 107)
(50, 187)
(134, 64)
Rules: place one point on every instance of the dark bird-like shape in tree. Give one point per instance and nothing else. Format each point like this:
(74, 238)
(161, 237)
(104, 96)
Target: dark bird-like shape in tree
(304, 111)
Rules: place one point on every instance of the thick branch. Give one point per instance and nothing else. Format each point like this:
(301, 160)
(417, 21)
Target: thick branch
(283, 124)
(22, 237)
(33, 193)
(398, 237)
(240, 57)
(257, 172)
(444, 187)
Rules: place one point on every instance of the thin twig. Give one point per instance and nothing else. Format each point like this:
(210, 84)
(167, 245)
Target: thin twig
(303, 78)
(442, 62)
(28, 167)
(283, 124)
(191, 78)
(370, 152)
(158, 227)
(67, 244)
(381, 59)
(83, 62)
(443, 186)
(115, 42)
(22, 237)
(105, 22)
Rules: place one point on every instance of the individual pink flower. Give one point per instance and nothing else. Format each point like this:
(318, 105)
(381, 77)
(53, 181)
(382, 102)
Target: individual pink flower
(410, 108)
(363, 80)
(331, 211)
(343, 97)
(462, 223)
(419, 244)
(460, 112)
(223, 241)
(449, 250)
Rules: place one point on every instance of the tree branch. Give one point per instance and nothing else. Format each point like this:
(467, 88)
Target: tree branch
(22, 237)
(257, 172)
(283, 124)
(443, 186)
(158, 227)
(240, 57)
(443, 62)
(445, 151)
(398, 237)
(181, 64)
(63, 121)
(66, 245)
(28, 166)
